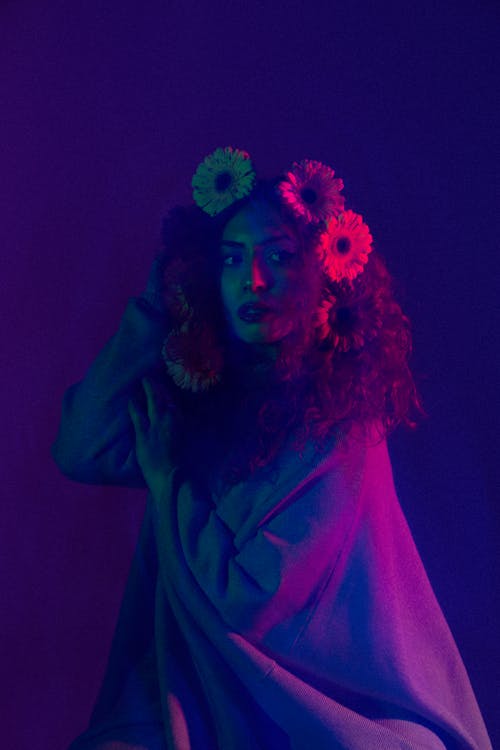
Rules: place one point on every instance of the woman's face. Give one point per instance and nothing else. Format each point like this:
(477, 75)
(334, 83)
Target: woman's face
(266, 287)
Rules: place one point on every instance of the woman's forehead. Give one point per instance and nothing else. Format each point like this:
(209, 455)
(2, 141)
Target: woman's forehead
(258, 218)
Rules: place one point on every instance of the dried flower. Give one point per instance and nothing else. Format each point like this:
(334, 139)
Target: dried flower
(192, 357)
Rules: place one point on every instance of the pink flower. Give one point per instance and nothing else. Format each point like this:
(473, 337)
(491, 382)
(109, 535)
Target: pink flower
(311, 191)
(344, 246)
(192, 358)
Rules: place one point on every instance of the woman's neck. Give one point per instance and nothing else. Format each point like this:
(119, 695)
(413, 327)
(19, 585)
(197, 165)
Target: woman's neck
(252, 366)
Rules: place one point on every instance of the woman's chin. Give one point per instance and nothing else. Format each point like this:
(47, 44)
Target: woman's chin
(261, 334)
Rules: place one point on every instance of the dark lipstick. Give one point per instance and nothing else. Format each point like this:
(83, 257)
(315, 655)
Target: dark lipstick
(252, 312)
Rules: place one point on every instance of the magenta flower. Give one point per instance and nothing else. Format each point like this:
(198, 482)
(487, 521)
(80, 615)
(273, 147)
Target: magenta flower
(344, 246)
(311, 192)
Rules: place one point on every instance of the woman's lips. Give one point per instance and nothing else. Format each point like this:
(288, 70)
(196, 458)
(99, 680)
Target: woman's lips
(253, 312)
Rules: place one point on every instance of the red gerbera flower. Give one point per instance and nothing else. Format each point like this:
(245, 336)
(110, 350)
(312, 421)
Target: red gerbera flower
(347, 323)
(192, 357)
(311, 191)
(344, 246)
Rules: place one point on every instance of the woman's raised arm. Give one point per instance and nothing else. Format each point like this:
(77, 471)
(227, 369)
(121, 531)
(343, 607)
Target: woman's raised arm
(96, 443)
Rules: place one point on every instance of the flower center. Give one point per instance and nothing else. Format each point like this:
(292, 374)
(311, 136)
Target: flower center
(343, 245)
(344, 317)
(308, 195)
(222, 181)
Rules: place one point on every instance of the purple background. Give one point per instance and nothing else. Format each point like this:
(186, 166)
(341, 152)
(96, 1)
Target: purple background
(106, 110)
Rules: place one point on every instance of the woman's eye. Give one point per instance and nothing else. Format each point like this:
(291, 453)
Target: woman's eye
(231, 260)
(284, 257)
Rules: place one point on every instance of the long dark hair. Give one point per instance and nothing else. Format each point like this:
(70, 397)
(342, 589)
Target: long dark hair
(352, 369)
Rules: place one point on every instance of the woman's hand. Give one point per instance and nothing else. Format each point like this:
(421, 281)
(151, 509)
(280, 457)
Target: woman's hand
(154, 293)
(153, 435)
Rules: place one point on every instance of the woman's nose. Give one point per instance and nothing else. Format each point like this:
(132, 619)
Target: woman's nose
(260, 277)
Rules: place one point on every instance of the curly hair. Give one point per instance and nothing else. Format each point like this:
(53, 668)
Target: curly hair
(351, 368)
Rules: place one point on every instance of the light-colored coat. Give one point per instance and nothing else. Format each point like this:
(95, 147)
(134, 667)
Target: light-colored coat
(291, 611)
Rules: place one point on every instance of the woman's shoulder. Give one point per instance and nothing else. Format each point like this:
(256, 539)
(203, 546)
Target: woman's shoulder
(319, 483)
(346, 440)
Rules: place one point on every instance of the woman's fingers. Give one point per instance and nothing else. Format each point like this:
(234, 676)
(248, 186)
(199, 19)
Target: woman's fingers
(135, 416)
(157, 418)
(166, 425)
(150, 398)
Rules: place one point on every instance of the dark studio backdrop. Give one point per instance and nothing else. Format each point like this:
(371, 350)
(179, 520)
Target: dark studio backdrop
(106, 110)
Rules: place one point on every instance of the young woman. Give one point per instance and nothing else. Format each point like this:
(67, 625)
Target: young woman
(276, 598)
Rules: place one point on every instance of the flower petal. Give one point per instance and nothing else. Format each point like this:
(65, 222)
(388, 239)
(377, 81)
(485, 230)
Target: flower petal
(213, 194)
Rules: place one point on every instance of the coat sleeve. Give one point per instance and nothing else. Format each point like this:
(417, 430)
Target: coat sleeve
(127, 712)
(95, 443)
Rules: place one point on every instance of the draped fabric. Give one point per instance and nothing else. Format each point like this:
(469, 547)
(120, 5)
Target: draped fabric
(291, 610)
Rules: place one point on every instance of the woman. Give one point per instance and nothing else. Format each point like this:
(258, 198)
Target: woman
(276, 598)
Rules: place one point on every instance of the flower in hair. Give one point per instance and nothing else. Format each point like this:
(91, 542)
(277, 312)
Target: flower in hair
(192, 358)
(344, 246)
(223, 177)
(346, 323)
(311, 192)
(175, 297)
